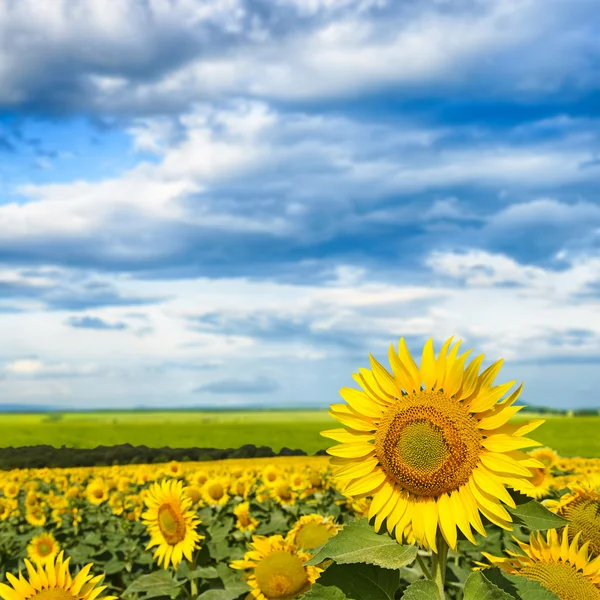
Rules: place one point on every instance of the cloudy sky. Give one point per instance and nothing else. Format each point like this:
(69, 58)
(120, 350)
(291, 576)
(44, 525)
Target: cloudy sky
(232, 202)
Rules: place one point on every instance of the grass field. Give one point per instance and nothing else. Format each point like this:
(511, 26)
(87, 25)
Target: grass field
(570, 436)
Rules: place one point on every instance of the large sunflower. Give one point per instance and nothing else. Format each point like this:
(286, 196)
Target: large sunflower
(171, 522)
(562, 568)
(434, 455)
(278, 569)
(54, 582)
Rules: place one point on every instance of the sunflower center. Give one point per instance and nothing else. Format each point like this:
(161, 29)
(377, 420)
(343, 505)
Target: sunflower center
(428, 443)
(563, 580)
(584, 514)
(171, 524)
(44, 548)
(54, 594)
(281, 575)
(216, 491)
(539, 477)
(312, 535)
(98, 493)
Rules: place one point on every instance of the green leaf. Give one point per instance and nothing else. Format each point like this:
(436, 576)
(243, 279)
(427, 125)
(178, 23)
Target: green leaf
(232, 580)
(322, 592)
(278, 523)
(361, 581)
(478, 587)
(519, 587)
(424, 589)
(159, 583)
(220, 530)
(217, 595)
(535, 516)
(357, 542)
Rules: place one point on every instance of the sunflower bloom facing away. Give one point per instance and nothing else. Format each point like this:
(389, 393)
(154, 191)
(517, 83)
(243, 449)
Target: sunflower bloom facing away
(171, 522)
(54, 582)
(562, 567)
(432, 444)
(278, 570)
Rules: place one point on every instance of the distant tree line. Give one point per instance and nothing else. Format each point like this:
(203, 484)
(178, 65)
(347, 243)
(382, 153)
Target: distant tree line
(575, 412)
(37, 457)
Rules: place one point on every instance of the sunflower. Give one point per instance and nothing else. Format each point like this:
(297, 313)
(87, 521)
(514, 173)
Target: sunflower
(171, 523)
(245, 521)
(432, 456)
(311, 531)
(547, 456)
(214, 492)
(562, 568)
(581, 506)
(11, 490)
(43, 548)
(97, 491)
(54, 582)
(279, 572)
(36, 516)
(539, 484)
(282, 492)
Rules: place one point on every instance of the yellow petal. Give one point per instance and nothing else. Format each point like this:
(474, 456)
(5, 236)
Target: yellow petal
(403, 378)
(347, 435)
(470, 378)
(380, 498)
(501, 443)
(409, 363)
(361, 403)
(441, 362)
(486, 481)
(355, 468)
(428, 365)
(366, 484)
(489, 397)
(502, 463)
(461, 516)
(355, 450)
(447, 521)
(498, 417)
(454, 379)
(384, 379)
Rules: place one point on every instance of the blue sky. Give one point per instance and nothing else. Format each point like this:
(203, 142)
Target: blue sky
(232, 202)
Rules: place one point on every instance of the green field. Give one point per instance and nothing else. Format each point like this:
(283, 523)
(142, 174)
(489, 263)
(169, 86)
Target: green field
(570, 436)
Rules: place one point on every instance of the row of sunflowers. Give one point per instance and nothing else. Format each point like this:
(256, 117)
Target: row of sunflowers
(432, 493)
(230, 528)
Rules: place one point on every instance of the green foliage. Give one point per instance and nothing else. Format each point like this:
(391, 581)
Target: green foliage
(422, 590)
(358, 543)
(362, 582)
(322, 592)
(570, 436)
(535, 516)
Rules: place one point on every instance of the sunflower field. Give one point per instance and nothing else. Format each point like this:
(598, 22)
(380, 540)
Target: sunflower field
(430, 493)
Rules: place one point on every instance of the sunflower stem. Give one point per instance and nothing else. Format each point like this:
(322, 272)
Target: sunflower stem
(423, 567)
(193, 580)
(438, 563)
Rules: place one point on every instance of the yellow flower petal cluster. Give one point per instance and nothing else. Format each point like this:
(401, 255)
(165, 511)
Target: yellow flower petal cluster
(311, 531)
(562, 567)
(54, 582)
(432, 444)
(277, 569)
(171, 522)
